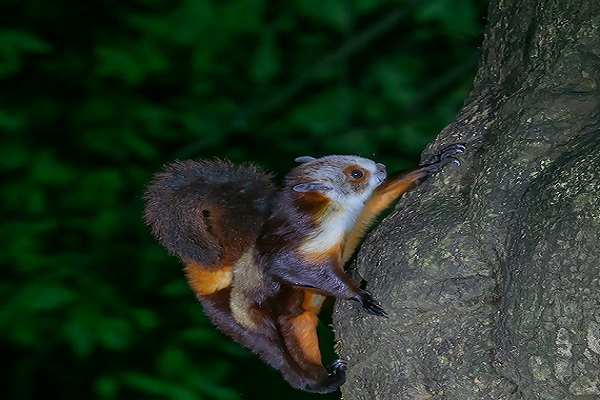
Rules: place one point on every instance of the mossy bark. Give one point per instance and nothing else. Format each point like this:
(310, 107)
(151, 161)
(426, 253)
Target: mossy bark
(490, 271)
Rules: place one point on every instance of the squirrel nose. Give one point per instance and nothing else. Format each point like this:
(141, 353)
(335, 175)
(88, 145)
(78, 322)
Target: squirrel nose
(381, 172)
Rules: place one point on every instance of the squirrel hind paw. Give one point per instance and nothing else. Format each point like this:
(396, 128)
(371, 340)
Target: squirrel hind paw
(336, 377)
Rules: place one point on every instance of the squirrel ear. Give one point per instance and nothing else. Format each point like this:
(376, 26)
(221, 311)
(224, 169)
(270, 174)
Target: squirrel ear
(314, 186)
(304, 159)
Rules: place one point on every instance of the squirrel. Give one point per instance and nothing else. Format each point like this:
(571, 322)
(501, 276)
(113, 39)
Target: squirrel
(262, 260)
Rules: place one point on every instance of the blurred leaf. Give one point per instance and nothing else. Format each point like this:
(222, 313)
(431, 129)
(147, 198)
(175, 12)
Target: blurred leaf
(323, 114)
(116, 333)
(42, 296)
(266, 62)
(330, 12)
(458, 18)
(14, 44)
(106, 388)
(132, 64)
(8, 121)
(151, 385)
(80, 336)
(146, 319)
(47, 170)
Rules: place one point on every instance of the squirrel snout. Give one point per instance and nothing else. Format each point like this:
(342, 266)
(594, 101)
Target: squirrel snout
(381, 173)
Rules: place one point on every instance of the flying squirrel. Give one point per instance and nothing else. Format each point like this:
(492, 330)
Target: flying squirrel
(261, 260)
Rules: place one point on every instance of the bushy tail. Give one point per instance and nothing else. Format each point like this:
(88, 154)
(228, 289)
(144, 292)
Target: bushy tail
(208, 211)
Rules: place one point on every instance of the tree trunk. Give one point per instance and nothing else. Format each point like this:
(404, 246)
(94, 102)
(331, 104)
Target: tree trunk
(490, 270)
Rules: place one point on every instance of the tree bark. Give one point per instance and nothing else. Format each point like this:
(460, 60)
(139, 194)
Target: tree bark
(490, 271)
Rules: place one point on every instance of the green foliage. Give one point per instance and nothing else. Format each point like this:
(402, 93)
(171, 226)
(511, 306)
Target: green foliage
(97, 95)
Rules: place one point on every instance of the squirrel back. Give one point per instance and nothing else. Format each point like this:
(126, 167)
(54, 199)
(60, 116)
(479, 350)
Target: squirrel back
(208, 212)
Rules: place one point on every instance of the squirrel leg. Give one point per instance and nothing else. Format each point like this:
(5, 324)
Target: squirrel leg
(391, 189)
(270, 346)
(299, 333)
(327, 277)
(300, 337)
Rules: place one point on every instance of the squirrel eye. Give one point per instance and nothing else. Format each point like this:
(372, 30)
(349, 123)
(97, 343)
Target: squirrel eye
(356, 174)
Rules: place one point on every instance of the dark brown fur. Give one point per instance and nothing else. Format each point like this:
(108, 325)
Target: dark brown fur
(194, 208)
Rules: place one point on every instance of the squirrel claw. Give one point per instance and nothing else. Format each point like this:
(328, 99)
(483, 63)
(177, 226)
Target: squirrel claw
(445, 157)
(451, 150)
(337, 367)
(369, 304)
(447, 152)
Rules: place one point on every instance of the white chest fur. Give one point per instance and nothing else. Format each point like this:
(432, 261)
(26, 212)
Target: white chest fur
(332, 228)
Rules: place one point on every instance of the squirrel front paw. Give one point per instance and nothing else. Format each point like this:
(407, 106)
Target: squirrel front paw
(369, 304)
(445, 157)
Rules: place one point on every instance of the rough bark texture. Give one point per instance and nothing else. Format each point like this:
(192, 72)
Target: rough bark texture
(490, 272)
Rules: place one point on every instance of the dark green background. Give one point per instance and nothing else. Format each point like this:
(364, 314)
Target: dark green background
(96, 95)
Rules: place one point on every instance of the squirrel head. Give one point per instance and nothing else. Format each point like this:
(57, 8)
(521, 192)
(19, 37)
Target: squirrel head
(340, 179)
